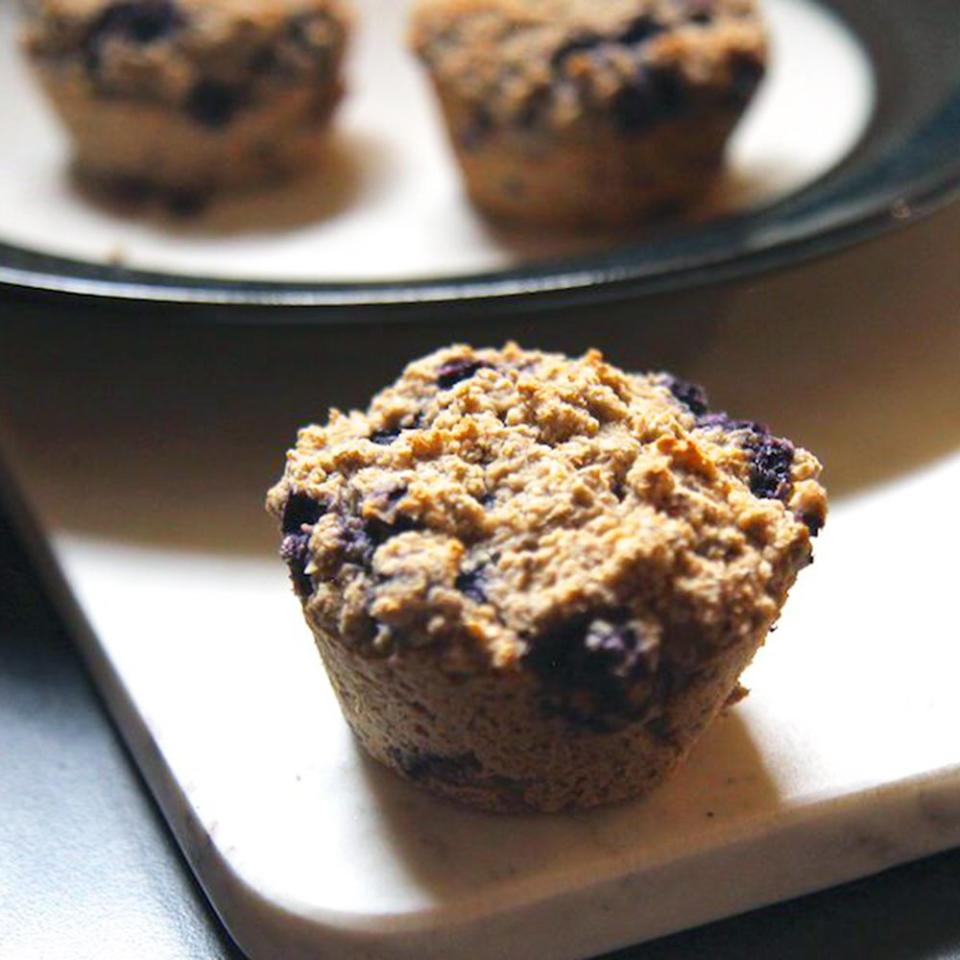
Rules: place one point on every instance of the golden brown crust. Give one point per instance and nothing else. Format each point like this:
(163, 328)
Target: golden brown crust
(586, 554)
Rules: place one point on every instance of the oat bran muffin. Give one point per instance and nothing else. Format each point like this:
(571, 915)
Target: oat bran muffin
(584, 113)
(189, 96)
(534, 581)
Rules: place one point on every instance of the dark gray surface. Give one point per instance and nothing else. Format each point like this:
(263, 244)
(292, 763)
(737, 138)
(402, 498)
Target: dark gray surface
(88, 870)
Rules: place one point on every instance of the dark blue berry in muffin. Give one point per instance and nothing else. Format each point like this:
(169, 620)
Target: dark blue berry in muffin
(747, 72)
(637, 32)
(772, 462)
(140, 22)
(455, 371)
(640, 30)
(590, 668)
(213, 104)
(654, 96)
(300, 511)
(385, 437)
(472, 584)
(137, 22)
(691, 395)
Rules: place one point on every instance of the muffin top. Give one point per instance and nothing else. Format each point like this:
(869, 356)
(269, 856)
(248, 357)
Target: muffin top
(564, 64)
(212, 55)
(511, 509)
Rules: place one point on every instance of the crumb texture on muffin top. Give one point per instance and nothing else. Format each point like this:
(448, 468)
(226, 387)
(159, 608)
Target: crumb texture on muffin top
(511, 509)
(574, 65)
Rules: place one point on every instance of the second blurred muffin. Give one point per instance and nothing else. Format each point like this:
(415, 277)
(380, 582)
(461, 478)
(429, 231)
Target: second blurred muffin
(589, 113)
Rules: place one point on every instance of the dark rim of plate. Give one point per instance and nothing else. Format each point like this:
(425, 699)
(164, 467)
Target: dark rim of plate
(907, 165)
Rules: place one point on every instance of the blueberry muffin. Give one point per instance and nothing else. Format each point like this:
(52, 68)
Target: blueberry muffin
(190, 95)
(534, 581)
(588, 114)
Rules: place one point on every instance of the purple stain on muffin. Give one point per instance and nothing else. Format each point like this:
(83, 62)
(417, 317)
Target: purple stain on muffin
(213, 104)
(456, 371)
(299, 512)
(356, 544)
(723, 421)
(295, 552)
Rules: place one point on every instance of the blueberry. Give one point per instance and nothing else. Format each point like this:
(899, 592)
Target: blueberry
(385, 437)
(139, 22)
(301, 510)
(380, 531)
(746, 72)
(691, 395)
(213, 104)
(813, 522)
(471, 583)
(770, 471)
(576, 45)
(142, 22)
(636, 32)
(655, 95)
(589, 669)
(639, 31)
(455, 371)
